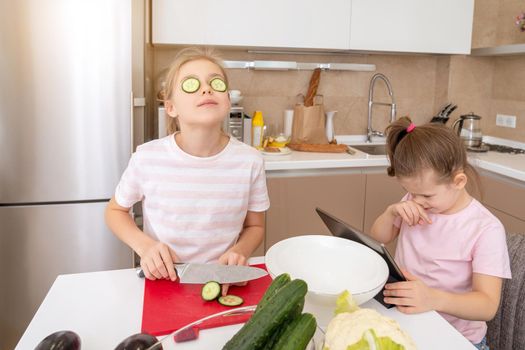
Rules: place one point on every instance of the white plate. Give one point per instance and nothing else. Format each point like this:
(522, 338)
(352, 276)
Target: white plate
(284, 151)
(329, 265)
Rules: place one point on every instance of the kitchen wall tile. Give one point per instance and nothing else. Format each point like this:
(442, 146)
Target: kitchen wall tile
(471, 76)
(484, 28)
(507, 31)
(508, 107)
(509, 78)
(442, 82)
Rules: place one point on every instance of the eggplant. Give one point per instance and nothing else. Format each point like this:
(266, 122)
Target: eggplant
(139, 341)
(61, 340)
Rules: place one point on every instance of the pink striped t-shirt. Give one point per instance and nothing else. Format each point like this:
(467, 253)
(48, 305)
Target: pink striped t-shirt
(197, 205)
(445, 254)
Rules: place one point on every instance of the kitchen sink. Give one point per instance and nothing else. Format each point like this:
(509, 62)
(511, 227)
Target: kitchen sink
(371, 149)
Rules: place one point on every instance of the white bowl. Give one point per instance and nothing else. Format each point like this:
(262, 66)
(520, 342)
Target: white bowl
(329, 265)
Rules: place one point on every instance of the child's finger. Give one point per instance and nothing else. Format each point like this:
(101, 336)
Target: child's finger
(423, 214)
(168, 262)
(224, 289)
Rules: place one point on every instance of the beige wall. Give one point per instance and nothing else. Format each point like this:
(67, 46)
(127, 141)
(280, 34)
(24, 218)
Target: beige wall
(413, 79)
(422, 85)
(494, 23)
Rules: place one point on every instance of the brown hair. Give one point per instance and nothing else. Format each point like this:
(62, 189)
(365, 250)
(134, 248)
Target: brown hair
(184, 56)
(429, 146)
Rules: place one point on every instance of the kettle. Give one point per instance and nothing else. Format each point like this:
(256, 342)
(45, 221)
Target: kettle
(469, 129)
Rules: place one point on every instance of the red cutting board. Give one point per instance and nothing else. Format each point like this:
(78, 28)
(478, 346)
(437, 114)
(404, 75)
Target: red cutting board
(169, 306)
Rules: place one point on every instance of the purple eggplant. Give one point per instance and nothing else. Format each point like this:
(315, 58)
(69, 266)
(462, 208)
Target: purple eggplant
(139, 341)
(61, 340)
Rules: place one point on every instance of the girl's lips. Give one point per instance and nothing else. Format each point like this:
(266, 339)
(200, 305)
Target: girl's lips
(207, 103)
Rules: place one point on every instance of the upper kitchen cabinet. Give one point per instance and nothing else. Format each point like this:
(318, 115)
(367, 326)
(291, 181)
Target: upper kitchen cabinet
(306, 24)
(422, 26)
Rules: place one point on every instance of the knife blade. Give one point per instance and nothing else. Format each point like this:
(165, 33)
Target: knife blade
(201, 273)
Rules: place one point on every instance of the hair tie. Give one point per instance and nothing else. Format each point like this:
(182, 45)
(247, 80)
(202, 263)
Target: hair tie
(411, 127)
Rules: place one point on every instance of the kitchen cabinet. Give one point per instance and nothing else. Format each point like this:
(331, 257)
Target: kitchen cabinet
(381, 191)
(424, 26)
(293, 201)
(506, 199)
(257, 23)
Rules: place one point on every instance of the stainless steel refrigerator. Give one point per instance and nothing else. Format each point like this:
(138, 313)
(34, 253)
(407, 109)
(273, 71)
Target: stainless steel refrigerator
(65, 138)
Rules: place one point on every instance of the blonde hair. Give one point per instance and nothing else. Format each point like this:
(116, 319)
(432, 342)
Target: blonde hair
(429, 146)
(184, 56)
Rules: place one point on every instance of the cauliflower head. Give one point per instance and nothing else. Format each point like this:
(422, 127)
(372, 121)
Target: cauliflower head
(365, 329)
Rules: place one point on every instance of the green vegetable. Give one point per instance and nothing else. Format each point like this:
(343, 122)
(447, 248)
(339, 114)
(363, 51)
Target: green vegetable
(230, 300)
(190, 85)
(279, 281)
(297, 334)
(258, 330)
(211, 290)
(345, 303)
(218, 84)
(296, 312)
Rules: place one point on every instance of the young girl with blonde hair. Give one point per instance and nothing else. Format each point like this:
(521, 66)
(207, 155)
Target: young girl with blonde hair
(203, 192)
(452, 249)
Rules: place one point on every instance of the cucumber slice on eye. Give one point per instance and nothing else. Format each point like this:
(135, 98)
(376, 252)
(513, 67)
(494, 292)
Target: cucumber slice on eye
(218, 84)
(210, 291)
(190, 85)
(230, 300)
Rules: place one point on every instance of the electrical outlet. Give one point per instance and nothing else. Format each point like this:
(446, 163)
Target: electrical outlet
(507, 121)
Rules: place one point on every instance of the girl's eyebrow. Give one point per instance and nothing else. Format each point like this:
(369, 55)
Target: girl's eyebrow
(213, 75)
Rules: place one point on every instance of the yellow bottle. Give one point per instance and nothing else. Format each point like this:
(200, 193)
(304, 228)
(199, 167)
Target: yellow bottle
(257, 129)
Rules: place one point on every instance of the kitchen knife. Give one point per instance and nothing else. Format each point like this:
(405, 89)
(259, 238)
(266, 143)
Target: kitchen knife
(202, 273)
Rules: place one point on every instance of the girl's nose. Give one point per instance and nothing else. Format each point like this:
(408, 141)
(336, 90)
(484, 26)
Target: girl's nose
(206, 89)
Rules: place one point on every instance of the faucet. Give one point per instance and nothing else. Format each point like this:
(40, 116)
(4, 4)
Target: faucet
(369, 130)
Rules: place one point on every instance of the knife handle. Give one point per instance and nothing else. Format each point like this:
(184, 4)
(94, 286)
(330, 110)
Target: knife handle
(179, 269)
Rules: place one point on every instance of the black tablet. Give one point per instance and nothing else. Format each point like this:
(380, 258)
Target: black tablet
(341, 229)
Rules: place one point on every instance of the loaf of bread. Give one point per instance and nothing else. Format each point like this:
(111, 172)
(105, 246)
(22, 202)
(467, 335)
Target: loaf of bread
(329, 148)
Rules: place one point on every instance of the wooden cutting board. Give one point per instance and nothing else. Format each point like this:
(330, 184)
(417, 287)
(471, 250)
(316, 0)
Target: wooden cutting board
(328, 148)
(169, 306)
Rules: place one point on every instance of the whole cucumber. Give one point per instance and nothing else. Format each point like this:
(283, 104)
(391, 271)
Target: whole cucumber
(297, 334)
(258, 330)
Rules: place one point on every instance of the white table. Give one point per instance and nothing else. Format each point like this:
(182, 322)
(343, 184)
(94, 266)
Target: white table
(105, 307)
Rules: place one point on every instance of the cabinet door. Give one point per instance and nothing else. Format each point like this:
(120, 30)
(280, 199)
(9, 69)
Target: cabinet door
(259, 23)
(293, 201)
(428, 26)
(504, 195)
(510, 223)
(381, 191)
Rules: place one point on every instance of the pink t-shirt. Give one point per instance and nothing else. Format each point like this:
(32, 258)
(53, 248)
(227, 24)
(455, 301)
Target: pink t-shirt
(197, 205)
(444, 254)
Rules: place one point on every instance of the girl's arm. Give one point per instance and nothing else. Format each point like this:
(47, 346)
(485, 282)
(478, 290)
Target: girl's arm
(156, 257)
(383, 229)
(480, 305)
(409, 211)
(250, 238)
(413, 296)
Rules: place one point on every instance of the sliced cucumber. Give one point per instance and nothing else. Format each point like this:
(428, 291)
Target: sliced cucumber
(231, 300)
(218, 84)
(190, 85)
(211, 290)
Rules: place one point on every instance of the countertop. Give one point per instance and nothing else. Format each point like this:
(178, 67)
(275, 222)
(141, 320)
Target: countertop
(104, 308)
(509, 165)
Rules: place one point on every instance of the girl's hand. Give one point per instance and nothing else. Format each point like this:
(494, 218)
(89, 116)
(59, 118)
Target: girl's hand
(232, 257)
(410, 212)
(410, 297)
(157, 262)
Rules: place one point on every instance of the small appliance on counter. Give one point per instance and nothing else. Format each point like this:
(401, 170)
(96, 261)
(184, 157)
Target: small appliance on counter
(234, 123)
(469, 129)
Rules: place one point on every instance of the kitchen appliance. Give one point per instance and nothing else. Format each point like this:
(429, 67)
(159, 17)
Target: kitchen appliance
(65, 139)
(469, 129)
(234, 123)
(203, 273)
